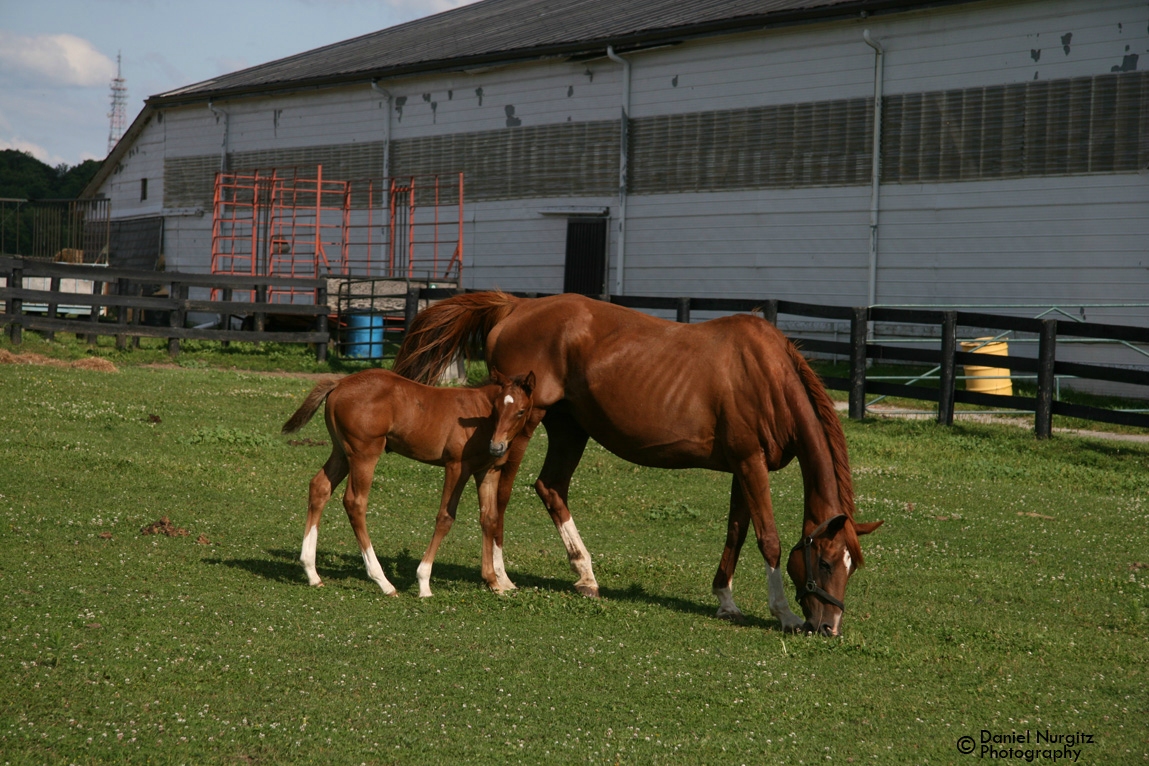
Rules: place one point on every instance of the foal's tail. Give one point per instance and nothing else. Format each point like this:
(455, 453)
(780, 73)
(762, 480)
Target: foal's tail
(310, 405)
(440, 331)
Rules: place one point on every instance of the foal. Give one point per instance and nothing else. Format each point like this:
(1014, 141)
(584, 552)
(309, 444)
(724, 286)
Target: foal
(465, 430)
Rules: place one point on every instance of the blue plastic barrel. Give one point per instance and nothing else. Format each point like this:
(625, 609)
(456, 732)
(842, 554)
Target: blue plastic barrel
(364, 339)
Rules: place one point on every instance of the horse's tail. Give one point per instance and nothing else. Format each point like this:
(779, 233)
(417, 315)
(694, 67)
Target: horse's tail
(310, 405)
(440, 331)
(835, 439)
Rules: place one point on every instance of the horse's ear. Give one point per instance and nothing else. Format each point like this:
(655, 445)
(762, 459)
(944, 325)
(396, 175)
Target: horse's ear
(866, 527)
(498, 378)
(528, 384)
(831, 527)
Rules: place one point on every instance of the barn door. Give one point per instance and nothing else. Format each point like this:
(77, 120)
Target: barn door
(586, 256)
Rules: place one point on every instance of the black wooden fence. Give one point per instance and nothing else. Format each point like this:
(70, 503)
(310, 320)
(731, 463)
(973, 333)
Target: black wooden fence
(126, 288)
(133, 300)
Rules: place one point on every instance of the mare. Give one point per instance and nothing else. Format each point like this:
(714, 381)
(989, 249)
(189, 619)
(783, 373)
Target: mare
(465, 430)
(731, 394)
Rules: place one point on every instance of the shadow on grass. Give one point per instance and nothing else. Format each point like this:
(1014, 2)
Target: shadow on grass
(284, 567)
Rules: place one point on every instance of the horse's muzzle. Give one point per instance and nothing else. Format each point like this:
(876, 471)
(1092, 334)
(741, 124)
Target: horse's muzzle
(498, 449)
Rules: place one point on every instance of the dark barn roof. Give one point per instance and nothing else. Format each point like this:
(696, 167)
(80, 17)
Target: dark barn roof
(502, 31)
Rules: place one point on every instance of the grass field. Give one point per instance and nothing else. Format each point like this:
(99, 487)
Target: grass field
(1006, 592)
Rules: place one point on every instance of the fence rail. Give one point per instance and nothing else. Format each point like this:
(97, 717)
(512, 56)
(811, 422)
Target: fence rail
(859, 349)
(118, 295)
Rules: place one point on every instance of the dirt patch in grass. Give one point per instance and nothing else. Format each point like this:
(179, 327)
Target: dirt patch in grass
(89, 363)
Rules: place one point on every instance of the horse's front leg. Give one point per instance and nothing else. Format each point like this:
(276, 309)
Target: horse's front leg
(566, 441)
(454, 480)
(754, 478)
(491, 520)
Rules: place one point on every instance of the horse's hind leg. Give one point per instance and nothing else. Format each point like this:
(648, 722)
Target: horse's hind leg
(355, 503)
(566, 441)
(319, 492)
(454, 481)
(736, 527)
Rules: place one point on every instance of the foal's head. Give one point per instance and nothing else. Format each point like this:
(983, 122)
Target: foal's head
(512, 405)
(820, 566)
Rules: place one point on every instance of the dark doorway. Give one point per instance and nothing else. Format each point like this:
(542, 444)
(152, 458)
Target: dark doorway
(586, 256)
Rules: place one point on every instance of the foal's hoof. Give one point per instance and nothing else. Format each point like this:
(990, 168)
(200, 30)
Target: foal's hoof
(590, 591)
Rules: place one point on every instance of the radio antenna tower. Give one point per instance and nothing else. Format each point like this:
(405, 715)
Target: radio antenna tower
(118, 115)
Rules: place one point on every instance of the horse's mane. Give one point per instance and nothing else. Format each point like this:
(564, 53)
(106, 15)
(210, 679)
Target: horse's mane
(835, 439)
(442, 329)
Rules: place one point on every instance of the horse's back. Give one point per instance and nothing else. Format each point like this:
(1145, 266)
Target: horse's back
(651, 390)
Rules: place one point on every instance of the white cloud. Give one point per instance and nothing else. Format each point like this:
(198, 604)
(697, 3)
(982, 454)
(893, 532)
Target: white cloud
(35, 150)
(63, 60)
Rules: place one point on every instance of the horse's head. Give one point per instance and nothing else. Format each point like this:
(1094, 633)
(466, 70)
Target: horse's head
(512, 405)
(820, 566)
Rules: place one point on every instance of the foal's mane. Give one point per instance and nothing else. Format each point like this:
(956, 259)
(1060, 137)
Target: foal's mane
(439, 331)
(835, 439)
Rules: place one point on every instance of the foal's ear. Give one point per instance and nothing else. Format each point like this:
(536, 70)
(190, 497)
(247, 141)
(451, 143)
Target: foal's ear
(528, 384)
(866, 527)
(498, 378)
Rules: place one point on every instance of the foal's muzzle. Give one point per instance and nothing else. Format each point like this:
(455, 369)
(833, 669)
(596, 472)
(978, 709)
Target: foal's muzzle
(498, 449)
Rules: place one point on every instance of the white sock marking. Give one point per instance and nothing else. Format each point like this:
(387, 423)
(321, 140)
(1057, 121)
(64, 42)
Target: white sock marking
(423, 574)
(779, 606)
(375, 572)
(307, 555)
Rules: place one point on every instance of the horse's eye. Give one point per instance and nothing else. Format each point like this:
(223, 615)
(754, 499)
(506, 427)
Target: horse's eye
(825, 566)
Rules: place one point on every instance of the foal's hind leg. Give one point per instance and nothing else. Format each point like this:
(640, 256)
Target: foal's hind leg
(319, 492)
(566, 441)
(454, 481)
(355, 503)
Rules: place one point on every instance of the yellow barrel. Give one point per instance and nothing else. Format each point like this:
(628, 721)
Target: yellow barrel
(988, 380)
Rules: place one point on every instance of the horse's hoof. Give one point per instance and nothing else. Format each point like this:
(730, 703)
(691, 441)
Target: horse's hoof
(317, 585)
(590, 591)
(795, 629)
(734, 616)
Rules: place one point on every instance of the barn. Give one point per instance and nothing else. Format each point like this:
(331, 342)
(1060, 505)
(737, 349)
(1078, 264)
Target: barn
(850, 152)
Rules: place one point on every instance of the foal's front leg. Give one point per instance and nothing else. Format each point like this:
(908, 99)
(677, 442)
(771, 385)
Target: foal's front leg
(491, 520)
(454, 480)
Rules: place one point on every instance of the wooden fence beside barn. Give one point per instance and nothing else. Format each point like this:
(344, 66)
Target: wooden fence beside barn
(133, 301)
(124, 297)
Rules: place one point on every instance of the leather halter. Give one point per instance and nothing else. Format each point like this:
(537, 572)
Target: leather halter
(812, 588)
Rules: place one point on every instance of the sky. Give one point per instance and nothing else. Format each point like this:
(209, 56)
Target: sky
(58, 57)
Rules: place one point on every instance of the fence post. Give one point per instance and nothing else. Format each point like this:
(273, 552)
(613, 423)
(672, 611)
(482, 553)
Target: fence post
(94, 316)
(683, 311)
(177, 317)
(1046, 356)
(948, 379)
(225, 318)
(121, 313)
(858, 362)
(321, 323)
(259, 320)
(54, 287)
(410, 308)
(16, 306)
(770, 311)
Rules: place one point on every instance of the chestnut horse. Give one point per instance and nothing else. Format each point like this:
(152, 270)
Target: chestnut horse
(731, 394)
(465, 430)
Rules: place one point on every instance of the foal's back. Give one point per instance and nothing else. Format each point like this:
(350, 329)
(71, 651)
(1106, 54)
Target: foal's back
(424, 423)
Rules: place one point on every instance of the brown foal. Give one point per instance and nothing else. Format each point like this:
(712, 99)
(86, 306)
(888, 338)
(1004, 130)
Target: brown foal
(465, 430)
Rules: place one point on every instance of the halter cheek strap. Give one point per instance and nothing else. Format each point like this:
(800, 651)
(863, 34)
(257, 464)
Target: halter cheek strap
(811, 587)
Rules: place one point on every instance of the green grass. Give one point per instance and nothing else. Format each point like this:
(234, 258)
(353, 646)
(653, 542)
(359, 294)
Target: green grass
(1006, 591)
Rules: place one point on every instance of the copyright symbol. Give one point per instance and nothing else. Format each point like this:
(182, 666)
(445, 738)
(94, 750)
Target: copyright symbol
(965, 745)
